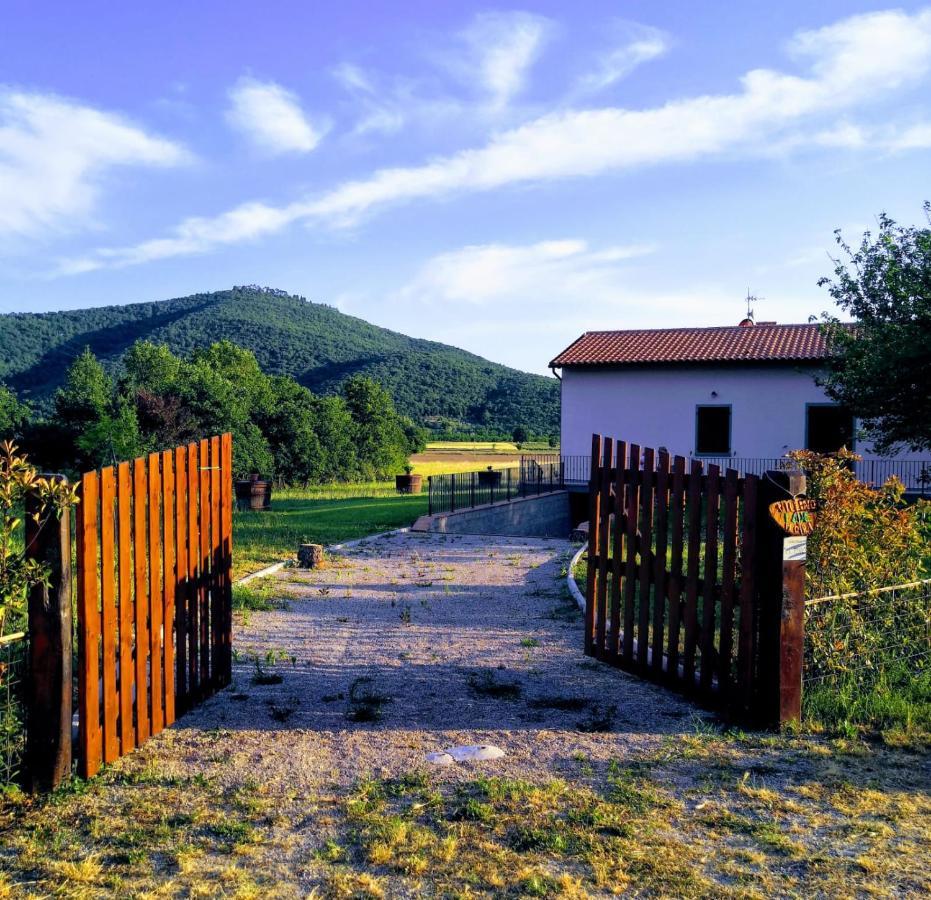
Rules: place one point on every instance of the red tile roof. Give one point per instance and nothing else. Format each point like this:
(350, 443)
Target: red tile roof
(728, 344)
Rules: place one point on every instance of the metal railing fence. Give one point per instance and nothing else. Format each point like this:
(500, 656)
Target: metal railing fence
(465, 490)
(915, 474)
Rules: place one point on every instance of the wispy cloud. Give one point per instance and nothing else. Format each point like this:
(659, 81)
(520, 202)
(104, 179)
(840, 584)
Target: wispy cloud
(271, 117)
(499, 50)
(545, 272)
(55, 153)
(853, 63)
(634, 44)
(545, 291)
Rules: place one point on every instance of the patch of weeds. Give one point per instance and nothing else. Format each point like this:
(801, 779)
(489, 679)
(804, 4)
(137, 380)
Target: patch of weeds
(599, 718)
(281, 712)
(365, 702)
(262, 676)
(258, 595)
(487, 684)
(548, 837)
(405, 615)
(233, 831)
(473, 810)
(529, 642)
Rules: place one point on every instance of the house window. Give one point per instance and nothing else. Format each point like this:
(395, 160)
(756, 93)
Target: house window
(713, 430)
(828, 427)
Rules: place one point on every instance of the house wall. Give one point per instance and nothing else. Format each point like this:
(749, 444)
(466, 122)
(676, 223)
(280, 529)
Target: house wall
(655, 407)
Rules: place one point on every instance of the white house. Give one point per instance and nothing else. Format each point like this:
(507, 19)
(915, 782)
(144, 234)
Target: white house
(741, 394)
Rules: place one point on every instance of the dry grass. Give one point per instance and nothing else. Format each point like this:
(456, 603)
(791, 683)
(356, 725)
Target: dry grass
(707, 814)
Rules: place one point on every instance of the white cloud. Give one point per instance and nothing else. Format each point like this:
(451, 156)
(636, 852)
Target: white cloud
(54, 154)
(543, 273)
(855, 62)
(547, 293)
(500, 48)
(271, 117)
(636, 44)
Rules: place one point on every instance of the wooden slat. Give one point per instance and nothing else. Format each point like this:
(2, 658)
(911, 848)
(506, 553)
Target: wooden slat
(692, 570)
(140, 556)
(127, 608)
(617, 562)
(676, 513)
(659, 570)
(226, 537)
(728, 581)
(181, 583)
(604, 543)
(594, 520)
(169, 581)
(633, 478)
(109, 635)
(745, 648)
(193, 568)
(89, 733)
(646, 547)
(156, 607)
(216, 585)
(709, 595)
(204, 567)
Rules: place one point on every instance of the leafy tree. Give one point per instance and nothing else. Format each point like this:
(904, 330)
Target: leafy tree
(519, 434)
(380, 440)
(115, 436)
(882, 367)
(13, 414)
(290, 426)
(336, 430)
(86, 394)
(95, 426)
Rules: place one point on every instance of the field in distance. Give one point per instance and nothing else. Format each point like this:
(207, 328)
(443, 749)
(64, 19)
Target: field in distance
(447, 457)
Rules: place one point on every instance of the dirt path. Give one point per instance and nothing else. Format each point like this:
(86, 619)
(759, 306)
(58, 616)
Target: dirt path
(308, 778)
(411, 643)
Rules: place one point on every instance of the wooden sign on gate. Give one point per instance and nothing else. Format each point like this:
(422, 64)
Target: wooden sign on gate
(796, 516)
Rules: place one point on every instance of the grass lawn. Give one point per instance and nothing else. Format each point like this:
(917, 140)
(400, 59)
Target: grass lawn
(318, 515)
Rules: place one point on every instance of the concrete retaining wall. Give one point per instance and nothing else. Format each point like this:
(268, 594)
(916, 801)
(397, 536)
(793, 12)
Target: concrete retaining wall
(543, 516)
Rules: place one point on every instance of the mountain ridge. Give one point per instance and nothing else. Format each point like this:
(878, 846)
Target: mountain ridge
(313, 342)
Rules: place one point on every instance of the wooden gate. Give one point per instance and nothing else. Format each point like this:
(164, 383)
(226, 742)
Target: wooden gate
(670, 588)
(154, 590)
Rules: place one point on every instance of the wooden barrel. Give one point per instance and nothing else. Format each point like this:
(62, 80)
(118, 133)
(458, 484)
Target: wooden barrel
(253, 494)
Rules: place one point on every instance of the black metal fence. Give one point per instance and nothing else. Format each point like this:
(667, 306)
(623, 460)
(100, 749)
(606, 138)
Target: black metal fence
(854, 642)
(915, 474)
(464, 490)
(12, 707)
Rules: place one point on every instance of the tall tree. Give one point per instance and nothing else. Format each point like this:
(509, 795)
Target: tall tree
(380, 441)
(13, 414)
(881, 369)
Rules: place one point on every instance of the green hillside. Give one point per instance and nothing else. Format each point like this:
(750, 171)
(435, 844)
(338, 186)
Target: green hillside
(314, 343)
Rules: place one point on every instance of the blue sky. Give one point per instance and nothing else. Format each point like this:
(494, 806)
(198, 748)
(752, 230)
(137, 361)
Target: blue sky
(501, 178)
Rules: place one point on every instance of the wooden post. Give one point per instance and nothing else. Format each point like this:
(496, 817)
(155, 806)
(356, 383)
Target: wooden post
(780, 577)
(48, 727)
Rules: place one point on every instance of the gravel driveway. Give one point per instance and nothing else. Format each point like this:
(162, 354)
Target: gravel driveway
(409, 643)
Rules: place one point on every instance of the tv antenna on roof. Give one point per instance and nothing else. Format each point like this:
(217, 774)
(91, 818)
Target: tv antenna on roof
(751, 299)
